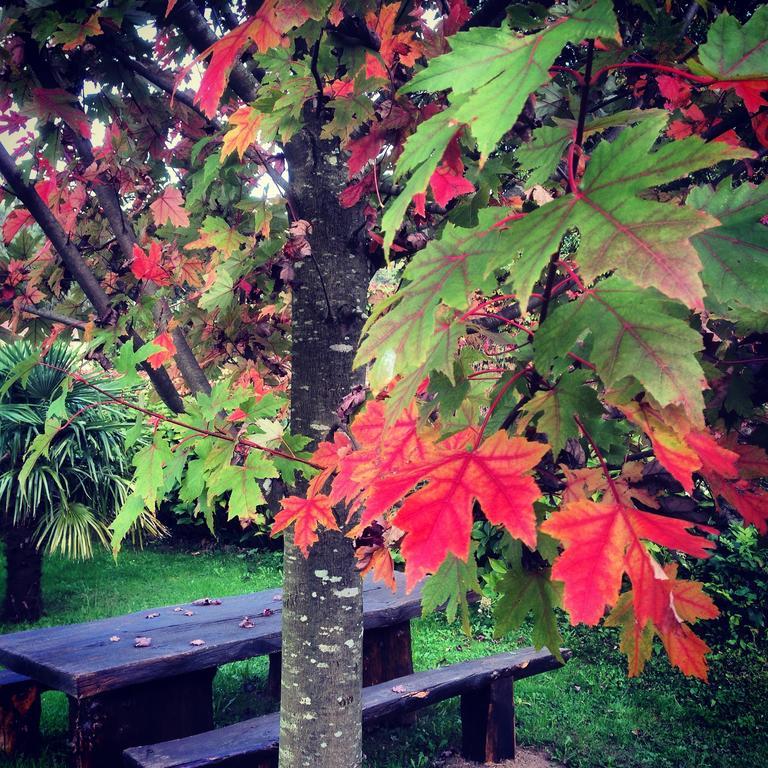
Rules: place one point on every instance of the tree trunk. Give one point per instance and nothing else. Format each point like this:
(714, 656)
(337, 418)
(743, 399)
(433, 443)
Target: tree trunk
(320, 723)
(24, 566)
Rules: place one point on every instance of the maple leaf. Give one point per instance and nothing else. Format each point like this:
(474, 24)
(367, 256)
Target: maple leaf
(437, 518)
(167, 351)
(243, 128)
(524, 592)
(734, 253)
(737, 56)
(363, 150)
(680, 447)
(266, 28)
(597, 537)
(447, 271)
(146, 265)
(72, 35)
(644, 241)
(48, 103)
(635, 336)
(491, 73)
(393, 44)
(449, 587)
(169, 207)
(305, 515)
(448, 182)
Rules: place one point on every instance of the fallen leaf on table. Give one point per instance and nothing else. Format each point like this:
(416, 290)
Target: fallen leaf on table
(142, 642)
(267, 612)
(114, 639)
(152, 615)
(399, 689)
(246, 623)
(277, 598)
(189, 613)
(197, 642)
(207, 601)
(178, 610)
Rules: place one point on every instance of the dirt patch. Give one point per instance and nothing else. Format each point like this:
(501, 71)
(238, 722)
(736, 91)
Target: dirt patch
(526, 758)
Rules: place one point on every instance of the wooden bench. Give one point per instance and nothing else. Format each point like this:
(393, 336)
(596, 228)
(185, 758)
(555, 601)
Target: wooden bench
(487, 715)
(19, 713)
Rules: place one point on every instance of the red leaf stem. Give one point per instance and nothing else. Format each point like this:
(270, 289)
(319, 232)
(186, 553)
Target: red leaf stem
(496, 401)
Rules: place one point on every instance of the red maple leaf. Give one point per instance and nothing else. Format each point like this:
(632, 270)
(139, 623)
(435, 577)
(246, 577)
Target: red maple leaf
(305, 515)
(437, 518)
(146, 266)
(48, 103)
(598, 537)
(447, 182)
(266, 28)
(164, 340)
(676, 92)
(363, 150)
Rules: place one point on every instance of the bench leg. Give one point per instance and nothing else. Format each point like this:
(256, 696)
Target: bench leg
(273, 677)
(488, 723)
(19, 718)
(102, 726)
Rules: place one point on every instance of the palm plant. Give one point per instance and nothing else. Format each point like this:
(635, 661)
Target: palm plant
(64, 503)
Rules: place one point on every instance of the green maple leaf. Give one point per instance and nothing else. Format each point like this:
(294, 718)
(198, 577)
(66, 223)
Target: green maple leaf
(241, 482)
(446, 272)
(541, 155)
(132, 509)
(449, 587)
(553, 409)
(735, 254)
(524, 592)
(149, 478)
(644, 241)
(491, 73)
(734, 51)
(636, 336)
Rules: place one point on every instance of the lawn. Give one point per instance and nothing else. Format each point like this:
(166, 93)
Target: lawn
(586, 715)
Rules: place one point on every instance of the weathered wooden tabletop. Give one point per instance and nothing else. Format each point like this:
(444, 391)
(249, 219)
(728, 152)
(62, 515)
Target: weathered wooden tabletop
(84, 660)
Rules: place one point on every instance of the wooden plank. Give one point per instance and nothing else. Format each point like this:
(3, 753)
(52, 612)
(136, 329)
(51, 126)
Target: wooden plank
(235, 745)
(81, 660)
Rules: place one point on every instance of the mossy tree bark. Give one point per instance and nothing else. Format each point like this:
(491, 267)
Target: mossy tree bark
(322, 599)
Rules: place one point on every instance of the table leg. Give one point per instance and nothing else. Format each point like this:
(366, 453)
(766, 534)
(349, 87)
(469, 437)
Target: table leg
(387, 653)
(273, 677)
(20, 718)
(102, 726)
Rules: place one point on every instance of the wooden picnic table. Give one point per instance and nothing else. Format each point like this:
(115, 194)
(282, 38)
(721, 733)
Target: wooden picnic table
(122, 696)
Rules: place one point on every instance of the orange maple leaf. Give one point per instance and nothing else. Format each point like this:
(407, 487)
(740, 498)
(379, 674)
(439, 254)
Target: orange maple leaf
(243, 128)
(401, 44)
(305, 514)
(164, 340)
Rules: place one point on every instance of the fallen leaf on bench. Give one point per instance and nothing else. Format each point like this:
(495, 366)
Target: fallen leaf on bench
(142, 642)
(246, 623)
(267, 612)
(197, 642)
(114, 639)
(189, 613)
(207, 601)
(152, 615)
(399, 689)
(178, 610)
(419, 695)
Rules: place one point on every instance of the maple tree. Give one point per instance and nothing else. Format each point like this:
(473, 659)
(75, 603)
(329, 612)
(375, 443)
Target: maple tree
(566, 335)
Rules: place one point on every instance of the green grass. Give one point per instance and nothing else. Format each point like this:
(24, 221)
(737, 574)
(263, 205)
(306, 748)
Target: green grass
(587, 715)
